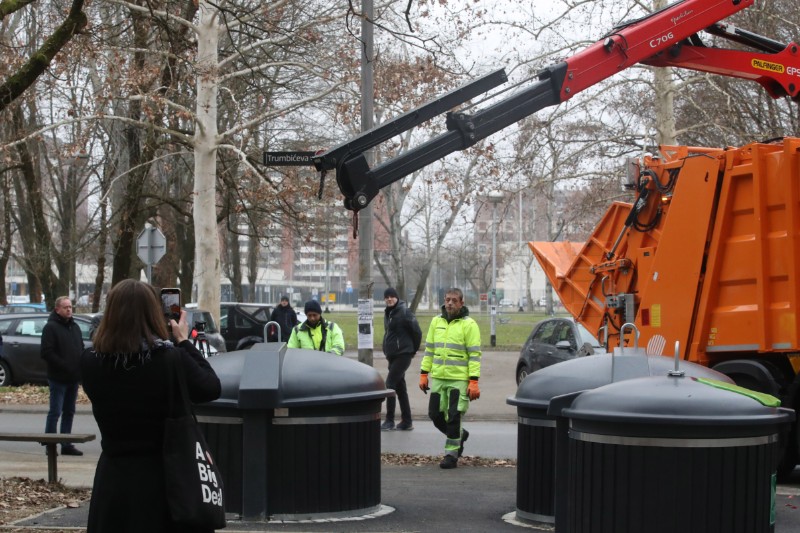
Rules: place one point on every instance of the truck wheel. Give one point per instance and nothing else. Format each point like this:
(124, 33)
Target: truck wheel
(5, 374)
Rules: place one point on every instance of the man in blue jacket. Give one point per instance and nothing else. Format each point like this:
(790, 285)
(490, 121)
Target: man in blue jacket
(401, 338)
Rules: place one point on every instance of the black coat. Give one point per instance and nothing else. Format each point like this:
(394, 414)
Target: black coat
(130, 400)
(401, 331)
(286, 317)
(61, 349)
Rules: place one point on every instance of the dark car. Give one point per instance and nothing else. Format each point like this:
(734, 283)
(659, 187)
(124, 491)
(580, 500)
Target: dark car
(21, 360)
(554, 340)
(242, 324)
(194, 316)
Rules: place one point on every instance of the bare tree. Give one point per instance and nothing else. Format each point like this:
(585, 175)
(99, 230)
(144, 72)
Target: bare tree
(17, 80)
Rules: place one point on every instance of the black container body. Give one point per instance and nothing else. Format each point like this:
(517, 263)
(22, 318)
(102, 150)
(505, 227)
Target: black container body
(536, 471)
(630, 489)
(323, 466)
(293, 444)
(541, 485)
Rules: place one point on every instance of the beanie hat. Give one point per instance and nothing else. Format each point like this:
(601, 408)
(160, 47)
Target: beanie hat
(312, 306)
(284, 297)
(390, 292)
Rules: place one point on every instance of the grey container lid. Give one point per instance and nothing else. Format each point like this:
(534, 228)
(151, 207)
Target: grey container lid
(270, 375)
(666, 400)
(593, 371)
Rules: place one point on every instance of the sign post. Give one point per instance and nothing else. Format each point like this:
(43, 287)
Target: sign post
(151, 246)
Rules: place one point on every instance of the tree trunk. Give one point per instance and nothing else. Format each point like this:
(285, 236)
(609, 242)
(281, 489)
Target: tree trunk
(102, 240)
(252, 264)
(205, 162)
(664, 103)
(130, 219)
(38, 264)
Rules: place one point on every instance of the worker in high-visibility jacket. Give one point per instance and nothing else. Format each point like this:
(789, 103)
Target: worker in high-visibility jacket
(316, 333)
(451, 368)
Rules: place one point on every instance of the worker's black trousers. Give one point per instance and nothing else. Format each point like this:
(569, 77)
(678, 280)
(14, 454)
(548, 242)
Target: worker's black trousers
(451, 425)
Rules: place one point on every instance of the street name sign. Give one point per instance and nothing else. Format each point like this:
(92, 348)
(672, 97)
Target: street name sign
(288, 159)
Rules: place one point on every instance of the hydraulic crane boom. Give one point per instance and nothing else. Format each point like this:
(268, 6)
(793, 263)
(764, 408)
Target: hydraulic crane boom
(667, 37)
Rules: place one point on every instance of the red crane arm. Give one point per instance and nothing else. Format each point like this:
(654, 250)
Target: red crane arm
(639, 40)
(778, 73)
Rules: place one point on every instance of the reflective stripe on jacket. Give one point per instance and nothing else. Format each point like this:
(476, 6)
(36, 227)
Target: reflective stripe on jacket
(310, 338)
(453, 348)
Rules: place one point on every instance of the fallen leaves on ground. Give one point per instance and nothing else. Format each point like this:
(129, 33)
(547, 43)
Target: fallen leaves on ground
(21, 497)
(32, 395)
(408, 459)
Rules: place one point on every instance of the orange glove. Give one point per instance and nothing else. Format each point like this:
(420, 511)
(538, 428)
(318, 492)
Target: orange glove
(423, 383)
(473, 390)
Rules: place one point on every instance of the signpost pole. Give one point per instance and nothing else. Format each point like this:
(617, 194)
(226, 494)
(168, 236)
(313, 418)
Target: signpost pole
(365, 230)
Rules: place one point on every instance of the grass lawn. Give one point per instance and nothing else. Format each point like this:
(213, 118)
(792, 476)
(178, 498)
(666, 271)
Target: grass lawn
(511, 333)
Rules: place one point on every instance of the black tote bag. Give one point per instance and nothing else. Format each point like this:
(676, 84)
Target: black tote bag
(193, 481)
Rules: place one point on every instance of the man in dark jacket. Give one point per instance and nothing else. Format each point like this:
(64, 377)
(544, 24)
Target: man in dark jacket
(286, 317)
(401, 339)
(62, 345)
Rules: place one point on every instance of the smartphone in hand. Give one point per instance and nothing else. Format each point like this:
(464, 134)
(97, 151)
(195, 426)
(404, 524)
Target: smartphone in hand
(171, 303)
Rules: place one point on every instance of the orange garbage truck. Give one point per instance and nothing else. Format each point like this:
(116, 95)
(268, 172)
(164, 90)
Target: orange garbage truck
(707, 255)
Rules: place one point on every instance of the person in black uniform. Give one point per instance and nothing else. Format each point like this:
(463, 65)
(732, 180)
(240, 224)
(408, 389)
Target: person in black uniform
(127, 378)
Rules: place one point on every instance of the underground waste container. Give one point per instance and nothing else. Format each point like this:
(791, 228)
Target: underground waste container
(542, 433)
(296, 433)
(673, 455)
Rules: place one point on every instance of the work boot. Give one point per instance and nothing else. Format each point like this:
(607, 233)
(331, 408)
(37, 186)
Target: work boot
(405, 425)
(464, 437)
(388, 425)
(71, 450)
(449, 461)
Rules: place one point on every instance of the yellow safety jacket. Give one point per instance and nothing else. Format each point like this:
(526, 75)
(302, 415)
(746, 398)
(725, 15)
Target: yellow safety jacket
(453, 347)
(312, 338)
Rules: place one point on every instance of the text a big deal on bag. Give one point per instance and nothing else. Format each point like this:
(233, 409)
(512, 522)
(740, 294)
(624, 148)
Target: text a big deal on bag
(207, 476)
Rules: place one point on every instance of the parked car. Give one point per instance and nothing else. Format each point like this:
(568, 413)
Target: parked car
(23, 308)
(193, 315)
(21, 361)
(242, 324)
(554, 340)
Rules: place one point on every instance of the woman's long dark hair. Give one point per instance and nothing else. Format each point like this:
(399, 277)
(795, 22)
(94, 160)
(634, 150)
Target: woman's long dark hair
(133, 313)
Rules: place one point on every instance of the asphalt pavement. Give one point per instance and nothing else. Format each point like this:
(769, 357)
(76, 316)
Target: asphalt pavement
(413, 498)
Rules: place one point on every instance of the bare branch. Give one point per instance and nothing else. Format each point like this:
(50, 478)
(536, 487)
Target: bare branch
(27, 75)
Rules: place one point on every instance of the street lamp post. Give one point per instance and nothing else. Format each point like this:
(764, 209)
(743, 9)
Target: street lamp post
(495, 197)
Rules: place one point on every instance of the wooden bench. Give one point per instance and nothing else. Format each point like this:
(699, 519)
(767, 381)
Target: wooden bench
(50, 440)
